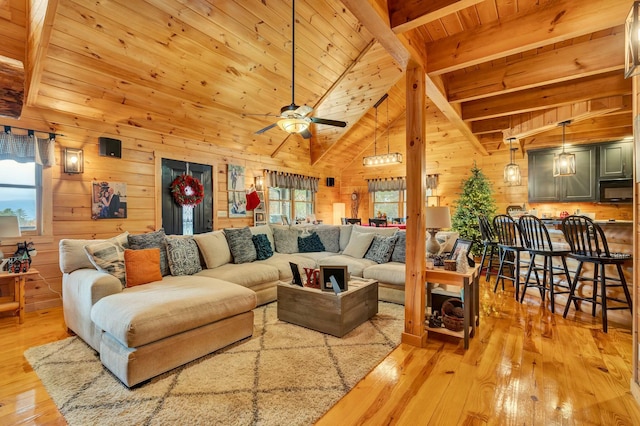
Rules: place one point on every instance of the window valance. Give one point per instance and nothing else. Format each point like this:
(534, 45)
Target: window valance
(387, 184)
(26, 148)
(291, 181)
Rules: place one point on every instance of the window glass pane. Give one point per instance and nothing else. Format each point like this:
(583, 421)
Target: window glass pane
(14, 173)
(386, 203)
(19, 202)
(387, 196)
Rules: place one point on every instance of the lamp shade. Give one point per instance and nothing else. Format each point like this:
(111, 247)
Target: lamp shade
(293, 125)
(9, 227)
(338, 213)
(438, 217)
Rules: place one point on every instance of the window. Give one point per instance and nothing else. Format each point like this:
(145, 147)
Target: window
(391, 203)
(290, 203)
(20, 193)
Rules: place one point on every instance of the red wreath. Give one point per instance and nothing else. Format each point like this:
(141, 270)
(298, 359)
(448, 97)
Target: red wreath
(187, 190)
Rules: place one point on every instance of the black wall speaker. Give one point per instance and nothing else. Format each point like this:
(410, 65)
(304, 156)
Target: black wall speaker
(110, 147)
(331, 181)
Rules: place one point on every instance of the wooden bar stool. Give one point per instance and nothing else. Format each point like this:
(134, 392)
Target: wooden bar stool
(510, 246)
(490, 252)
(536, 238)
(589, 244)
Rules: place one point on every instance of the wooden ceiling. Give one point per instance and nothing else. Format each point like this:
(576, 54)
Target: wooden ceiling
(195, 68)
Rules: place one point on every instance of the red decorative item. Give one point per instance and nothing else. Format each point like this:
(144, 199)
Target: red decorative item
(564, 214)
(253, 200)
(187, 190)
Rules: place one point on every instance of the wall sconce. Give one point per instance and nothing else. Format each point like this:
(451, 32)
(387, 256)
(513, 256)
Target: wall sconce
(632, 42)
(73, 161)
(259, 182)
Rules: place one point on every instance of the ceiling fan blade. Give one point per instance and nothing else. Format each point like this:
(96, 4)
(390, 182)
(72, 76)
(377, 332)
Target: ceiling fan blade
(305, 134)
(329, 122)
(303, 111)
(244, 114)
(270, 126)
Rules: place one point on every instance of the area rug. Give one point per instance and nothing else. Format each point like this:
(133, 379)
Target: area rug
(283, 375)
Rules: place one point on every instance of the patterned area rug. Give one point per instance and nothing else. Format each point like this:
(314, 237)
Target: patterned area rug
(283, 375)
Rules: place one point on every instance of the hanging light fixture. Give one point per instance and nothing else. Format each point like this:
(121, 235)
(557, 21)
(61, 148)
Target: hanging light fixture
(512, 176)
(564, 164)
(632, 42)
(382, 159)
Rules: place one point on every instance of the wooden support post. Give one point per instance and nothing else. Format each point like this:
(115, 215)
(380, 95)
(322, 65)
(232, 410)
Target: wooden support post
(414, 289)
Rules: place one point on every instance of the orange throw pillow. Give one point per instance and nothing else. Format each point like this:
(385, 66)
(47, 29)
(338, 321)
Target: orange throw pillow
(142, 266)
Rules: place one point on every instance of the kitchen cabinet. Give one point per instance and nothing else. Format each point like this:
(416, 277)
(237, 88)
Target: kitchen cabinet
(543, 187)
(616, 160)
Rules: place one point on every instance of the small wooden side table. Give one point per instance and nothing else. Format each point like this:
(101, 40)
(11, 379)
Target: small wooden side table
(16, 301)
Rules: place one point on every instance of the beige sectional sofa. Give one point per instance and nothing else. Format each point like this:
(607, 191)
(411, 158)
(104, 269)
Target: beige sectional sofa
(143, 331)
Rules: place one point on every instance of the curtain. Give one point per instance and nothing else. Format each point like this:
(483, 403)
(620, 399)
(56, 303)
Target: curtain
(26, 148)
(291, 181)
(387, 184)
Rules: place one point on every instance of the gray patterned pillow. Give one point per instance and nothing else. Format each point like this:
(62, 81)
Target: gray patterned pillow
(183, 256)
(241, 244)
(310, 244)
(286, 239)
(381, 249)
(400, 249)
(108, 255)
(330, 237)
(152, 240)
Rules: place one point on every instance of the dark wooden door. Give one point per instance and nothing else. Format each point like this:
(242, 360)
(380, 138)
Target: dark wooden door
(172, 212)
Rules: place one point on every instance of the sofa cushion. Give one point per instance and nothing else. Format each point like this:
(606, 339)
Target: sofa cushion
(247, 275)
(381, 249)
(263, 246)
(358, 244)
(73, 256)
(214, 248)
(152, 240)
(286, 239)
(280, 261)
(310, 244)
(386, 231)
(142, 266)
(264, 229)
(387, 273)
(400, 249)
(108, 255)
(183, 256)
(355, 266)
(330, 237)
(145, 314)
(345, 235)
(241, 244)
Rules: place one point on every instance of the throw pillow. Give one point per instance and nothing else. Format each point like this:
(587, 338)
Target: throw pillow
(142, 266)
(381, 249)
(241, 244)
(358, 244)
(330, 237)
(345, 235)
(400, 249)
(152, 240)
(286, 239)
(108, 255)
(264, 229)
(183, 256)
(214, 248)
(310, 244)
(263, 246)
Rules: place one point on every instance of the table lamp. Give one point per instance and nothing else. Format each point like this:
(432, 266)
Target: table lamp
(9, 228)
(436, 218)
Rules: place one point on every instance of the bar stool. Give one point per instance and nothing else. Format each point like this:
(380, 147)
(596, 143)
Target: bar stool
(589, 244)
(510, 246)
(538, 243)
(490, 252)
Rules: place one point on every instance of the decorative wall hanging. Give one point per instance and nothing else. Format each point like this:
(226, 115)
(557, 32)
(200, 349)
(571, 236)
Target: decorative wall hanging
(108, 200)
(236, 194)
(187, 190)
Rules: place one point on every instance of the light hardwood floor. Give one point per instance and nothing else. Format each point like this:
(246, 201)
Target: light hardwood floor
(526, 366)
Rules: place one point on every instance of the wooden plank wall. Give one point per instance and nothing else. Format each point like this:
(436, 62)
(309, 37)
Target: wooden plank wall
(71, 193)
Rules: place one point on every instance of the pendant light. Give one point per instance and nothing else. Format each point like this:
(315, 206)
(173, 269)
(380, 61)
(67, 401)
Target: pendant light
(382, 159)
(564, 164)
(512, 176)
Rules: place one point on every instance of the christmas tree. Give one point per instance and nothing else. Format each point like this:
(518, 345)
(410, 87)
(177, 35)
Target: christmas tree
(476, 199)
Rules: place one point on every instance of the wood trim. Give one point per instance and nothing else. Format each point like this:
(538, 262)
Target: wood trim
(406, 15)
(39, 24)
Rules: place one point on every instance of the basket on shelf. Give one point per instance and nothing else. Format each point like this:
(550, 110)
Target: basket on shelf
(453, 314)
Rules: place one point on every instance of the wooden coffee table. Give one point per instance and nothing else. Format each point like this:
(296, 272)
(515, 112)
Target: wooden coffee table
(325, 311)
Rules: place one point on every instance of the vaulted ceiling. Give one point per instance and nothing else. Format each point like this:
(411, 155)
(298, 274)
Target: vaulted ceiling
(201, 69)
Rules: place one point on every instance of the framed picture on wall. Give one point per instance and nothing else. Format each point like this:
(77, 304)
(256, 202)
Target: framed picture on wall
(235, 178)
(108, 200)
(237, 201)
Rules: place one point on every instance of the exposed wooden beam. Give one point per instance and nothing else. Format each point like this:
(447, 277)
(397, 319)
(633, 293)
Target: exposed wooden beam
(551, 22)
(536, 122)
(552, 95)
(41, 16)
(11, 87)
(579, 60)
(408, 14)
(589, 135)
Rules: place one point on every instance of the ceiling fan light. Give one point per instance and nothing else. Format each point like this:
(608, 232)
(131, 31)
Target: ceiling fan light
(293, 125)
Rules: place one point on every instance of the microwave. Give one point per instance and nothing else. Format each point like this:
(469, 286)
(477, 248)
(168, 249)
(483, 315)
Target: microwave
(616, 191)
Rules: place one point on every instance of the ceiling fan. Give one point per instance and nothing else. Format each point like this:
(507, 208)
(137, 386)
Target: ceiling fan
(294, 118)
